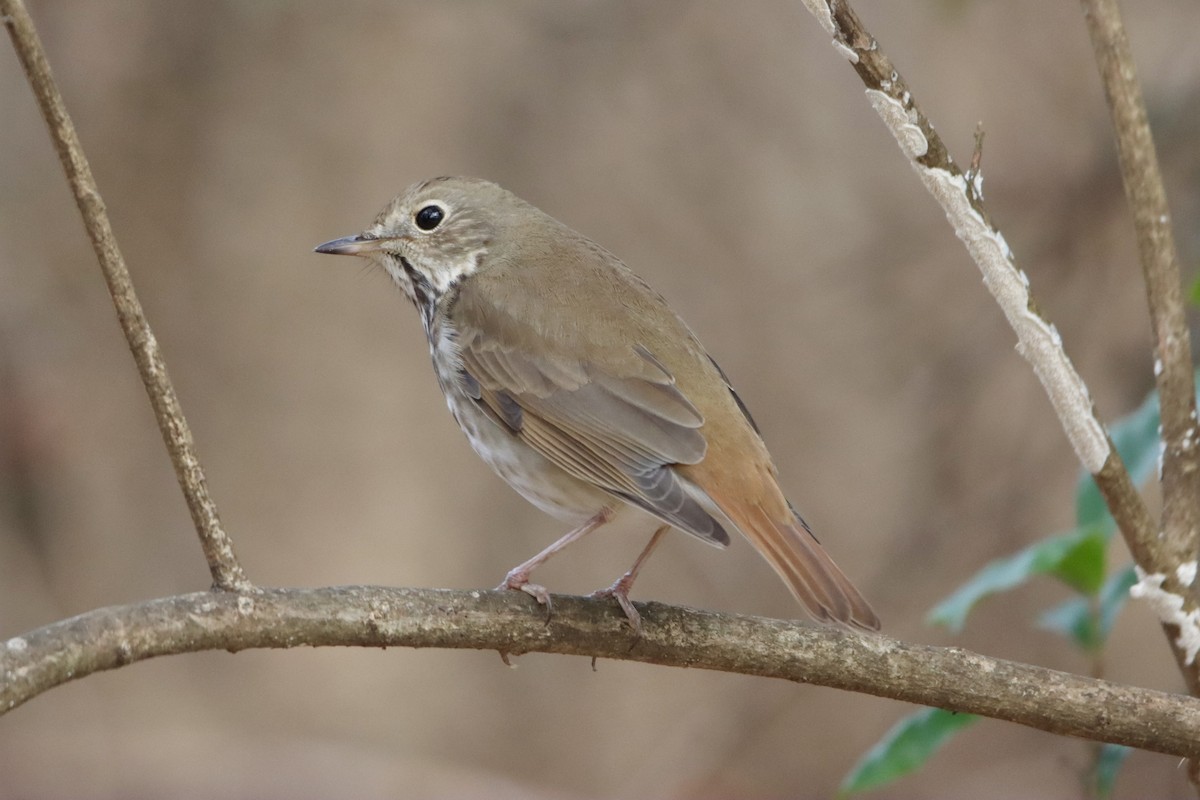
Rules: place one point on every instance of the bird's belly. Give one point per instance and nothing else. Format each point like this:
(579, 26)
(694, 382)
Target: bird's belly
(539, 481)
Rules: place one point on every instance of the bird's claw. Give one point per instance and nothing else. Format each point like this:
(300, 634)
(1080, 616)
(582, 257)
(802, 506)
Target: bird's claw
(619, 592)
(521, 583)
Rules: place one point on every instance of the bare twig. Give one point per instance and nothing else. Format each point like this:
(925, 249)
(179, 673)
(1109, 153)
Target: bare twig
(1037, 340)
(977, 155)
(1173, 368)
(951, 678)
(218, 548)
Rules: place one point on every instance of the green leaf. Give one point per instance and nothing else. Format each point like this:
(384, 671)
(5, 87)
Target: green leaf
(1108, 764)
(904, 749)
(1075, 549)
(1084, 565)
(1078, 556)
(1089, 628)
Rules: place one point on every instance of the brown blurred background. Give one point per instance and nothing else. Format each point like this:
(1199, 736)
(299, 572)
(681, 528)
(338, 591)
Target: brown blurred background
(726, 152)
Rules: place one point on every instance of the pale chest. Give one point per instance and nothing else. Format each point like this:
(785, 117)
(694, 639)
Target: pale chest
(527, 471)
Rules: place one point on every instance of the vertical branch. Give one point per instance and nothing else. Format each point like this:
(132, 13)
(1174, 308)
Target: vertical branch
(218, 548)
(1164, 289)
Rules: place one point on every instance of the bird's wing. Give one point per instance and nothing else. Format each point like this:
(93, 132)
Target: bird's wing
(614, 419)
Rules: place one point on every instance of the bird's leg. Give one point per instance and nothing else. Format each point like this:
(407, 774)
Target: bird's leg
(518, 576)
(620, 589)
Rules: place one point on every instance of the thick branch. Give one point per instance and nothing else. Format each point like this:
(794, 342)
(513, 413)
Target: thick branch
(1164, 287)
(218, 548)
(1037, 340)
(951, 678)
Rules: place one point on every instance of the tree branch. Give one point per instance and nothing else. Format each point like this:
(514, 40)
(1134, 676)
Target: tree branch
(1173, 370)
(1037, 340)
(218, 547)
(371, 616)
(951, 678)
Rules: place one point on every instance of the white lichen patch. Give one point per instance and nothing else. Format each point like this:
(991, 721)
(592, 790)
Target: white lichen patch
(17, 644)
(1008, 253)
(820, 10)
(1037, 341)
(902, 122)
(846, 50)
(1185, 573)
(1188, 440)
(1169, 606)
(977, 184)
(245, 605)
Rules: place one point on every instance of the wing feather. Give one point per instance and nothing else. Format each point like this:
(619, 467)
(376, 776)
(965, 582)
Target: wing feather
(622, 426)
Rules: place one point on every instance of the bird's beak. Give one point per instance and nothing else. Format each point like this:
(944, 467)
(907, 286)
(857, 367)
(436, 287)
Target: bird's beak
(357, 245)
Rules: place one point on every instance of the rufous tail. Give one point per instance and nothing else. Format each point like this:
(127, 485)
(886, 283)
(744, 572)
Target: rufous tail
(805, 567)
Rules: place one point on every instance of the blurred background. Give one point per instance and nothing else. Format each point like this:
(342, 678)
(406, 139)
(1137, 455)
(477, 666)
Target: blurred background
(726, 152)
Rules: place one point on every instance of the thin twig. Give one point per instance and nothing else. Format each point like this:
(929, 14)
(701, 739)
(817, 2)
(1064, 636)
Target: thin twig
(226, 572)
(974, 176)
(1173, 367)
(951, 678)
(1037, 340)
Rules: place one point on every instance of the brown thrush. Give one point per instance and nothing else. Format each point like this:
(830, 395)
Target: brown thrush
(579, 386)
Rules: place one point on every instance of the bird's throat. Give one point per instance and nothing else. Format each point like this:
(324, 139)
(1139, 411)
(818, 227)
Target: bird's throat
(422, 292)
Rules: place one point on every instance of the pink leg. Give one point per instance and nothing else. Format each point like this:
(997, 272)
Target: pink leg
(518, 576)
(620, 589)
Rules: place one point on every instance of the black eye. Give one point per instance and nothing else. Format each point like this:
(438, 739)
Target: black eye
(429, 217)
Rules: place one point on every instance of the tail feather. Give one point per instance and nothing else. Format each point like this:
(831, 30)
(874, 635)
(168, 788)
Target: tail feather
(804, 566)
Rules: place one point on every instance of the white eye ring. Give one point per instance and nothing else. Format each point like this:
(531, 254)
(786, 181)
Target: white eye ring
(430, 216)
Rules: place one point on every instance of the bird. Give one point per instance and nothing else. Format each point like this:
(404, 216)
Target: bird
(581, 388)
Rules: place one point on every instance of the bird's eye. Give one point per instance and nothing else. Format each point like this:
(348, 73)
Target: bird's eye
(429, 217)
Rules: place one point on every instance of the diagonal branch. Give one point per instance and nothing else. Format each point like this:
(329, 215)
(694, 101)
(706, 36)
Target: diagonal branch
(1173, 370)
(218, 547)
(1038, 341)
(951, 678)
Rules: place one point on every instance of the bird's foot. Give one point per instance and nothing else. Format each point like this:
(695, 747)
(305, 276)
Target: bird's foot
(619, 591)
(519, 581)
